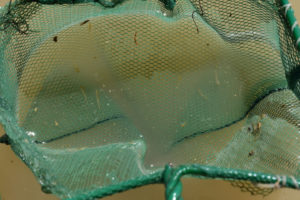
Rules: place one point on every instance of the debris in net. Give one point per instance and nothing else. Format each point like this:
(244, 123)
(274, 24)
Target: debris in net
(202, 95)
(256, 128)
(55, 38)
(258, 125)
(56, 123)
(183, 124)
(135, 41)
(250, 128)
(83, 92)
(217, 78)
(195, 21)
(86, 21)
(251, 153)
(263, 116)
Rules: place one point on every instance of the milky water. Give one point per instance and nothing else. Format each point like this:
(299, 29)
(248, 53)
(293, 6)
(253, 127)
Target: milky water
(106, 84)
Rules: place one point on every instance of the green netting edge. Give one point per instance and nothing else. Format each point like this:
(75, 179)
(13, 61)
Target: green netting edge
(169, 4)
(292, 21)
(293, 76)
(170, 176)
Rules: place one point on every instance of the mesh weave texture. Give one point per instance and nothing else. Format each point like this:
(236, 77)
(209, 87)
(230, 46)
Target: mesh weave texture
(93, 95)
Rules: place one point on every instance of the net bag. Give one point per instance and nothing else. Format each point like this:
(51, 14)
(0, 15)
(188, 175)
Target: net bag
(100, 96)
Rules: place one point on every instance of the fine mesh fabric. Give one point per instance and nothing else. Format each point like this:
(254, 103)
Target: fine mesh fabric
(92, 96)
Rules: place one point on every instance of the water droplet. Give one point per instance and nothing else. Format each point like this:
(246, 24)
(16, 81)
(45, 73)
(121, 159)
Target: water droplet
(109, 91)
(108, 104)
(141, 136)
(151, 165)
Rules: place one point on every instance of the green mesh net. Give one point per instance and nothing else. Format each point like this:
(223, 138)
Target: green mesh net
(96, 97)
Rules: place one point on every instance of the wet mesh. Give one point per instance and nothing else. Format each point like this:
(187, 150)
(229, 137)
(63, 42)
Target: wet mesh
(247, 186)
(93, 96)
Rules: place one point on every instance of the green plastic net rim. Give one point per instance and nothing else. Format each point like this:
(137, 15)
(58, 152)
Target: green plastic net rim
(170, 176)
